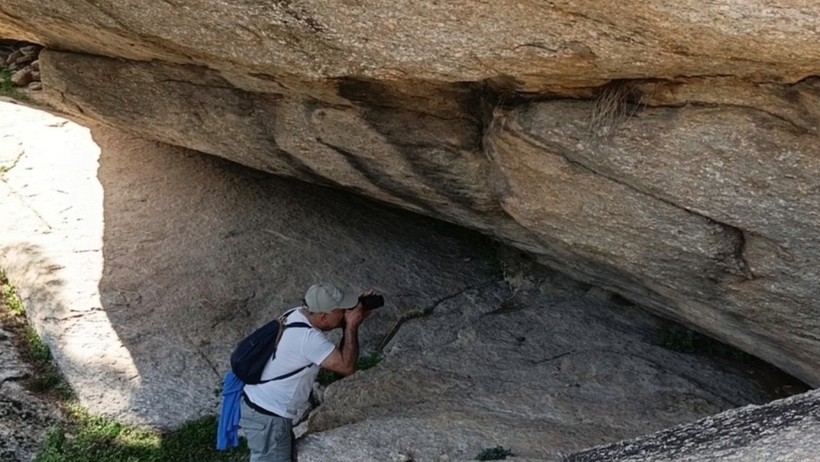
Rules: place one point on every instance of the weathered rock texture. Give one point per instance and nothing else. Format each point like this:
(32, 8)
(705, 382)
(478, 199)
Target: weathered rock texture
(545, 370)
(665, 152)
(531, 42)
(20, 61)
(784, 430)
(24, 417)
(141, 264)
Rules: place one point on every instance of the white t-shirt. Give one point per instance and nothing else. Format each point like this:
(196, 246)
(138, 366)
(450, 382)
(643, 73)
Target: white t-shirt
(297, 348)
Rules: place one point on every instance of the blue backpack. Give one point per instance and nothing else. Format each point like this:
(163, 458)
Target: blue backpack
(252, 354)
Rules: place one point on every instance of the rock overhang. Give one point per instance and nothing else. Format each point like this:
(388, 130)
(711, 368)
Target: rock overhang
(695, 193)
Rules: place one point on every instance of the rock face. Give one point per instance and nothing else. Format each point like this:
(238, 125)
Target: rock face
(141, 264)
(783, 430)
(20, 61)
(532, 43)
(544, 371)
(667, 153)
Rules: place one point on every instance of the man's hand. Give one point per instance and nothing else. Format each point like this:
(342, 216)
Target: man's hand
(355, 316)
(343, 360)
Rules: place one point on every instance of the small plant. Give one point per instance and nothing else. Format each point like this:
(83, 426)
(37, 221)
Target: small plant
(677, 338)
(496, 453)
(327, 377)
(683, 340)
(370, 361)
(10, 297)
(7, 87)
(37, 348)
(616, 103)
(45, 377)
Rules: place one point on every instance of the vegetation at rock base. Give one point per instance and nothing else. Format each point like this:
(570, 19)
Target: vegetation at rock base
(496, 453)
(83, 437)
(7, 88)
(10, 297)
(327, 377)
(86, 438)
(46, 378)
(680, 339)
(89, 438)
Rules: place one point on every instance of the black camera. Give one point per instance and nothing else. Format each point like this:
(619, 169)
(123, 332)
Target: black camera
(371, 302)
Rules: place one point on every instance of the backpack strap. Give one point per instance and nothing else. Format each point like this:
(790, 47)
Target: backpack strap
(282, 327)
(284, 376)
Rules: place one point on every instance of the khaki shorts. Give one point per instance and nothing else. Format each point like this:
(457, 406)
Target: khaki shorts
(270, 438)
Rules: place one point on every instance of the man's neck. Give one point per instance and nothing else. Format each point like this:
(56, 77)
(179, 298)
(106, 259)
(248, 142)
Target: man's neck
(308, 315)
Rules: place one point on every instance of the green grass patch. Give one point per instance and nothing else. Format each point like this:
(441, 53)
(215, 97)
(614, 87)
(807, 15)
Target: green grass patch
(10, 298)
(87, 438)
(370, 361)
(327, 377)
(496, 453)
(7, 88)
(45, 378)
(37, 349)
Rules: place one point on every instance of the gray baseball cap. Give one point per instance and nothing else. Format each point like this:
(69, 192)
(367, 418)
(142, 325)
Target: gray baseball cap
(324, 297)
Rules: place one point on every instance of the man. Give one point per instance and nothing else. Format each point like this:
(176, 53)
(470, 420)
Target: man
(268, 409)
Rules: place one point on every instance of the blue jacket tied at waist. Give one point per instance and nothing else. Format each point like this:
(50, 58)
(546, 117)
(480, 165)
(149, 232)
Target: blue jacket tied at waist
(227, 434)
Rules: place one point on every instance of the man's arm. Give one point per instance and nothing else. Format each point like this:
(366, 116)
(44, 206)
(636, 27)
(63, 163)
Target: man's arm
(344, 361)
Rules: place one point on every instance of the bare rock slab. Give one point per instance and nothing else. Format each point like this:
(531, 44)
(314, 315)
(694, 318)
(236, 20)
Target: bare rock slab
(142, 274)
(783, 430)
(529, 46)
(547, 370)
(704, 212)
(141, 264)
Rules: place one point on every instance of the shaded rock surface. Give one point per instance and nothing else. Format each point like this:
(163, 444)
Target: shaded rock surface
(544, 370)
(703, 212)
(19, 59)
(142, 264)
(118, 256)
(427, 106)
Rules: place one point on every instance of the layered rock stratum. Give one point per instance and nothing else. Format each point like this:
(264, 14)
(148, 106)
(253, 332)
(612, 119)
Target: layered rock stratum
(142, 264)
(666, 153)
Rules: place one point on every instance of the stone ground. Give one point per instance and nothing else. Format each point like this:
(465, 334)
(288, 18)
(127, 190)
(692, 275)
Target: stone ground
(24, 416)
(142, 264)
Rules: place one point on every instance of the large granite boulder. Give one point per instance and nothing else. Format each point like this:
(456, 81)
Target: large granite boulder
(141, 265)
(533, 44)
(784, 430)
(665, 152)
(703, 212)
